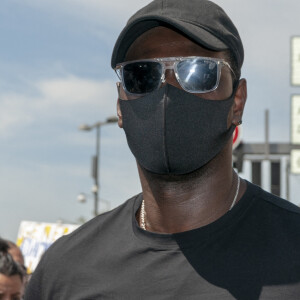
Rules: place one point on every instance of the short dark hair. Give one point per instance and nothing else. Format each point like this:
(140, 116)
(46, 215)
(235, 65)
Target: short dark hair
(8, 266)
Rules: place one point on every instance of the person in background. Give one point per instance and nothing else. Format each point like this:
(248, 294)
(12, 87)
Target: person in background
(11, 275)
(18, 257)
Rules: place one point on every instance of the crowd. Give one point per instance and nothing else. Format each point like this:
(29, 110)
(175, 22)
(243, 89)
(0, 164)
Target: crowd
(13, 276)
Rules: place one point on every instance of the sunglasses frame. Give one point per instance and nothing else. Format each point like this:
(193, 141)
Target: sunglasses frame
(168, 63)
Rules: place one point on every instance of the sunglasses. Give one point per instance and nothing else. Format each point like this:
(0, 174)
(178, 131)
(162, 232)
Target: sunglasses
(195, 74)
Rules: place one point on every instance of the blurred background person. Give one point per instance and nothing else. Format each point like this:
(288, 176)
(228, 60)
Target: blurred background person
(18, 257)
(11, 275)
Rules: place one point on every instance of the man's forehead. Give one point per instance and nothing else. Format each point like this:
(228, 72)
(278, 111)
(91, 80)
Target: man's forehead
(9, 283)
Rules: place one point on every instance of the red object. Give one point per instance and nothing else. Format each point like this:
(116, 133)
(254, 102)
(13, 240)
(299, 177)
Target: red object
(237, 136)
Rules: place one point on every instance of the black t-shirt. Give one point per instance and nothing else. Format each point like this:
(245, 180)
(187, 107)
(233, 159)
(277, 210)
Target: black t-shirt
(252, 252)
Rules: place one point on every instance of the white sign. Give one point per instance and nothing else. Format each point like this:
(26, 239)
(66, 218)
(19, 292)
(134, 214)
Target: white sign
(35, 238)
(295, 76)
(295, 161)
(295, 119)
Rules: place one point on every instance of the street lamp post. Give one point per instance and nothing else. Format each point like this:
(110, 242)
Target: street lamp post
(96, 158)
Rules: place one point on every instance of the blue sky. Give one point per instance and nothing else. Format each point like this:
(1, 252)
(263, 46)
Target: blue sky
(55, 75)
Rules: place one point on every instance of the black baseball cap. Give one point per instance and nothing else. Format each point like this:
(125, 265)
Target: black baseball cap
(201, 20)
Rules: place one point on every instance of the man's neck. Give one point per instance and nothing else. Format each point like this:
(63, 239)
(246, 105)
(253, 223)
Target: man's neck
(185, 202)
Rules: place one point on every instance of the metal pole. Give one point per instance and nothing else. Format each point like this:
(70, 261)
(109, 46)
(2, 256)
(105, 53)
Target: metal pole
(267, 143)
(96, 158)
(288, 181)
(97, 187)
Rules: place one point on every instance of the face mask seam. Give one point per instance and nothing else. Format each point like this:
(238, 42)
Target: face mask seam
(166, 156)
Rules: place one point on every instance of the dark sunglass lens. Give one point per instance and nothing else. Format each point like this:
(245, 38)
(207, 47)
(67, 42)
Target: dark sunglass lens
(142, 77)
(199, 75)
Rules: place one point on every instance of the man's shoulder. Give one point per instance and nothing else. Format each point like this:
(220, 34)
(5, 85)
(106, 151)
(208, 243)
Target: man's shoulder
(272, 209)
(96, 231)
(275, 202)
(83, 251)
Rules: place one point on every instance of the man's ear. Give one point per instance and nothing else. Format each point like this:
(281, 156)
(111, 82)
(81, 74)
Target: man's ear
(119, 113)
(239, 102)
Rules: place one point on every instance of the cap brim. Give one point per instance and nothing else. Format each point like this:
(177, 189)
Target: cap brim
(133, 30)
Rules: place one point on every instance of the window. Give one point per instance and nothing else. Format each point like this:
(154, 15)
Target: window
(256, 172)
(275, 178)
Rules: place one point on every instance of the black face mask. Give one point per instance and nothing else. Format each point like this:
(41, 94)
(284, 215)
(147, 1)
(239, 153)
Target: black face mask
(171, 131)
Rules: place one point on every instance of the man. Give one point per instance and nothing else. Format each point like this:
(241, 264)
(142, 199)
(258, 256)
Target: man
(197, 231)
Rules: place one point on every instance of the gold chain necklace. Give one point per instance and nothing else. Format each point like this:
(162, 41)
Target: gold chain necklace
(142, 213)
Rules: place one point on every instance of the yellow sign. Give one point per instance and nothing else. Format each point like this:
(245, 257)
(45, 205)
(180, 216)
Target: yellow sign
(35, 238)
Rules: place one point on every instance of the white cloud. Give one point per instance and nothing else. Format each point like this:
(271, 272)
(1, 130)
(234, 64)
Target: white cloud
(55, 98)
(111, 13)
(73, 91)
(11, 114)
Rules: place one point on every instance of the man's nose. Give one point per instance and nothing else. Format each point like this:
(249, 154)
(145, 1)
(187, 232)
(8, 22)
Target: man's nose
(170, 78)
